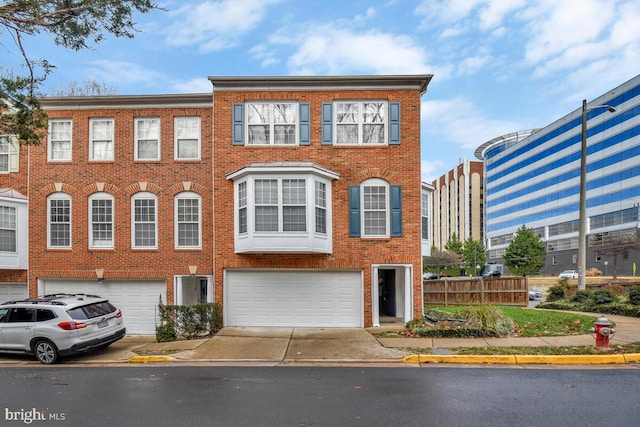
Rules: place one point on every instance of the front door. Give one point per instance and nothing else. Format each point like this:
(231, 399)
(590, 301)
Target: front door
(387, 292)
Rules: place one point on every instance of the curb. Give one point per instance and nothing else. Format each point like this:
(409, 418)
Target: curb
(587, 359)
(150, 359)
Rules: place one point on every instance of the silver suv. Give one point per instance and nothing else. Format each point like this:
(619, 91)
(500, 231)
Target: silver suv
(59, 325)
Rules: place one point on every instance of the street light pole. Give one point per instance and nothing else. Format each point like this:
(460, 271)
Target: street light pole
(582, 232)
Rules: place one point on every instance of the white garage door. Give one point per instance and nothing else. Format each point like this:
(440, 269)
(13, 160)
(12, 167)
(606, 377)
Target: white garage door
(12, 292)
(138, 300)
(293, 298)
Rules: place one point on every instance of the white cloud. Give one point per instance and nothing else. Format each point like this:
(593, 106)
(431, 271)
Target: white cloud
(216, 25)
(121, 72)
(458, 121)
(196, 85)
(430, 169)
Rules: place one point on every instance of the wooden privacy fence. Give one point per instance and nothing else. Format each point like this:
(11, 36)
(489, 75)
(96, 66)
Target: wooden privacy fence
(466, 291)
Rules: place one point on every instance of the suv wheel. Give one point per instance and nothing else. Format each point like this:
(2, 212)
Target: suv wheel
(46, 352)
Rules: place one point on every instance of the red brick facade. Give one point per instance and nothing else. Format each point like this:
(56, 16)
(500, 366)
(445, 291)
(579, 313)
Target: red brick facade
(122, 178)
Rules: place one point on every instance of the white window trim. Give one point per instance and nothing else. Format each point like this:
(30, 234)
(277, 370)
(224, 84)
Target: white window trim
(296, 124)
(182, 196)
(102, 196)
(375, 182)
(143, 196)
(176, 140)
(14, 229)
(360, 122)
(136, 139)
(50, 143)
(92, 157)
(59, 196)
(308, 241)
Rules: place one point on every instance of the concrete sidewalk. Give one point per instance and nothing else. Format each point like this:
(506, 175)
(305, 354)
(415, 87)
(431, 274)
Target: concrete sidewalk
(282, 346)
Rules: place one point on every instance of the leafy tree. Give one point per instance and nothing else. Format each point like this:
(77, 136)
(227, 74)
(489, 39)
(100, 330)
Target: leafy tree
(454, 244)
(618, 245)
(443, 263)
(526, 252)
(84, 88)
(473, 254)
(75, 24)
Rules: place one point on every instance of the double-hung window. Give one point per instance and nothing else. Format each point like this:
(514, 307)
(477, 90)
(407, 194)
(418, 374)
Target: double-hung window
(187, 138)
(8, 230)
(145, 221)
(188, 223)
(280, 205)
(59, 147)
(101, 139)
(424, 209)
(5, 150)
(375, 209)
(147, 139)
(59, 214)
(272, 123)
(321, 207)
(361, 123)
(101, 224)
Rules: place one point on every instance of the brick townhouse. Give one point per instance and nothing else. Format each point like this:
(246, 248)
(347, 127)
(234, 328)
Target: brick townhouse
(293, 201)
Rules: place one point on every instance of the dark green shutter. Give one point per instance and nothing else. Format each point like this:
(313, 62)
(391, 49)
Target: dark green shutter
(327, 124)
(238, 124)
(354, 211)
(305, 138)
(396, 210)
(394, 123)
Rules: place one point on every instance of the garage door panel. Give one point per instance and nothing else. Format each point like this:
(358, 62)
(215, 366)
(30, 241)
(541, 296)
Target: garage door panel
(293, 298)
(138, 300)
(13, 292)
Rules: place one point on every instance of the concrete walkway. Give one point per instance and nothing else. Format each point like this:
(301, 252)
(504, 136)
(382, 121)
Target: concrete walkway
(282, 346)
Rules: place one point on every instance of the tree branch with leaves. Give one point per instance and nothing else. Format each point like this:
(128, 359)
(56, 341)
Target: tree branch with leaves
(74, 24)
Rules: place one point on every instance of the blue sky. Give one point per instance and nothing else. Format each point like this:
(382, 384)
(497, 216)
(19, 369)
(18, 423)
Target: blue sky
(499, 66)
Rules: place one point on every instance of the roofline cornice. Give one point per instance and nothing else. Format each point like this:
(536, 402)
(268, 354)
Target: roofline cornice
(191, 100)
(371, 82)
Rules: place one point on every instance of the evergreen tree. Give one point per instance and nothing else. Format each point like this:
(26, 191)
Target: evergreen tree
(473, 254)
(526, 253)
(454, 244)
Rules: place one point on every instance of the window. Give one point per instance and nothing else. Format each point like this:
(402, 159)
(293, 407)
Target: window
(59, 140)
(42, 315)
(271, 123)
(283, 208)
(101, 139)
(101, 225)
(144, 221)
(187, 138)
(360, 122)
(59, 221)
(424, 209)
(242, 207)
(321, 207)
(187, 220)
(20, 314)
(574, 258)
(5, 147)
(375, 209)
(147, 142)
(7, 229)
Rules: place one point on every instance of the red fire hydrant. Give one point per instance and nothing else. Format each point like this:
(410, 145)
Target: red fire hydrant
(603, 331)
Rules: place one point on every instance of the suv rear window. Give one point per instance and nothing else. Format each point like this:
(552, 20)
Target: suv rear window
(90, 311)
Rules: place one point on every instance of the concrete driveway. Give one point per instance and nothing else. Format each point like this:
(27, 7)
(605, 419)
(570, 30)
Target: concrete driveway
(292, 345)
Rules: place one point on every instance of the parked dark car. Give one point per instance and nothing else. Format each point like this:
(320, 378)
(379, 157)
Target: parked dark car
(491, 274)
(430, 276)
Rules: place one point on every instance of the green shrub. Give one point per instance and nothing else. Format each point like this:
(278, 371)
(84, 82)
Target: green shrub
(490, 318)
(634, 295)
(580, 296)
(603, 296)
(556, 293)
(166, 333)
(191, 321)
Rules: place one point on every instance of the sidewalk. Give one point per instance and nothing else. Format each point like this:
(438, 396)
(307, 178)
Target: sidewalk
(331, 346)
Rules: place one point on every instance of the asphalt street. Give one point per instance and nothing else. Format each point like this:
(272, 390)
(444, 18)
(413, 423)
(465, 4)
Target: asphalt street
(319, 396)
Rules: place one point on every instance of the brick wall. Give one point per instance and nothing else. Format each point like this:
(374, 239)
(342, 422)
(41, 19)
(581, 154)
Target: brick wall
(121, 178)
(396, 164)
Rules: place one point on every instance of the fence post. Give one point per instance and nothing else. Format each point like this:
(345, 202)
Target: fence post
(481, 290)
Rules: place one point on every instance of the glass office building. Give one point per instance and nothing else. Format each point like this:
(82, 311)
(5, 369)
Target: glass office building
(535, 181)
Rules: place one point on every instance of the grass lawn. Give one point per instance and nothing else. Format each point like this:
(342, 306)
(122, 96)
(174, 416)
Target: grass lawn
(541, 323)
